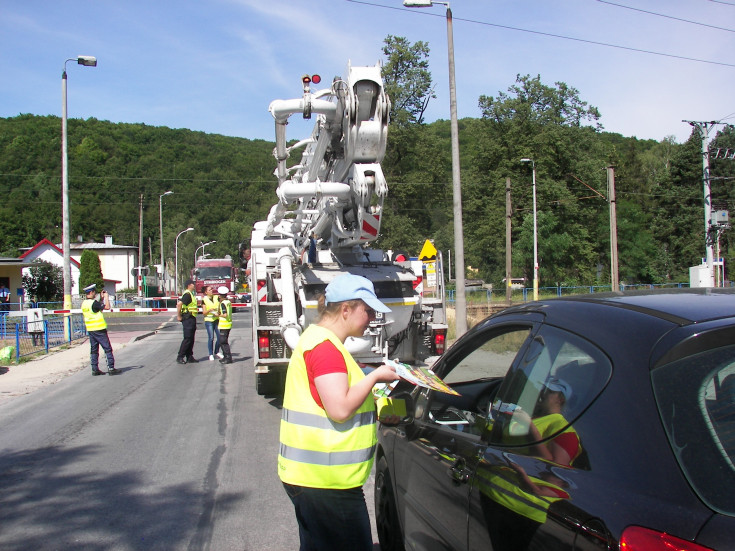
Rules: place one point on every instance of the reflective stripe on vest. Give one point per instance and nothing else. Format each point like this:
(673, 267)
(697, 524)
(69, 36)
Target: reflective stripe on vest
(93, 321)
(502, 485)
(192, 306)
(226, 322)
(316, 451)
(209, 304)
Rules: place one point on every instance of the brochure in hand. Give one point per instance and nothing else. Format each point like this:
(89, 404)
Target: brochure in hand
(420, 376)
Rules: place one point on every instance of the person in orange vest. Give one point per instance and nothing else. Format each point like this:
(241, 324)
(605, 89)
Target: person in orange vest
(96, 326)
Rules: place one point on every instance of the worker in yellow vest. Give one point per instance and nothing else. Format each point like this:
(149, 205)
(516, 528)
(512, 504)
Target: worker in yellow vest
(225, 324)
(187, 310)
(210, 310)
(96, 326)
(328, 426)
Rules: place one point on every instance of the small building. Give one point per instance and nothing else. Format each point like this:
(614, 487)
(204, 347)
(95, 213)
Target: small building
(11, 275)
(116, 261)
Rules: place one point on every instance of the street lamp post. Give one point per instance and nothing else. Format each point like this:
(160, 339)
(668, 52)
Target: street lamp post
(535, 231)
(160, 222)
(87, 61)
(176, 261)
(202, 248)
(459, 268)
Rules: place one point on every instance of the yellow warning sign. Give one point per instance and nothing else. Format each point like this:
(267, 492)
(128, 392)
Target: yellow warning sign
(428, 252)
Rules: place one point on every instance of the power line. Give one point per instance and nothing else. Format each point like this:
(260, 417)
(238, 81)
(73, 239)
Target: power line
(666, 16)
(552, 35)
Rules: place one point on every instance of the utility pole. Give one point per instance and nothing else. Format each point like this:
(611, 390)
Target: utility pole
(704, 130)
(508, 243)
(140, 251)
(614, 281)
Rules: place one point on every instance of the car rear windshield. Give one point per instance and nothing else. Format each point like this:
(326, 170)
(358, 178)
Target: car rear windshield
(696, 400)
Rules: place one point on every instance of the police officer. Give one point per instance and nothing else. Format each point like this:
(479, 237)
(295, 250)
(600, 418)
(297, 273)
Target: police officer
(225, 324)
(187, 314)
(96, 326)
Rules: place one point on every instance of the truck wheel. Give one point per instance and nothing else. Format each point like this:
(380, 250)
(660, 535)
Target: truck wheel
(266, 383)
(386, 513)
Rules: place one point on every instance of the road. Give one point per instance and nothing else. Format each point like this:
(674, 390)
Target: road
(162, 456)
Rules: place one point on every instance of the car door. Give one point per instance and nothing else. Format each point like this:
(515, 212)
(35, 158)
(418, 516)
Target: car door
(524, 481)
(439, 451)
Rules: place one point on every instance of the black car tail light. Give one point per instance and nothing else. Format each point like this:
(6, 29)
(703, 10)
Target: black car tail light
(637, 538)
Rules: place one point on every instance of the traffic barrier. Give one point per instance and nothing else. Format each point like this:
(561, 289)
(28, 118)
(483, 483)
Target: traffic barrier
(79, 311)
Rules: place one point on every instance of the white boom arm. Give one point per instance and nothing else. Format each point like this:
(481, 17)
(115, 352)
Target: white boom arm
(336, 192)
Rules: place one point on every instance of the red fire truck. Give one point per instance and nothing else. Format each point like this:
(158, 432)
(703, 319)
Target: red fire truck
(216, 272)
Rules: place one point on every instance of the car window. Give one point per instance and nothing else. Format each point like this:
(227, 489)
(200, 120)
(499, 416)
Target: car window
(476, 373)
(696, 401)
(556, 379)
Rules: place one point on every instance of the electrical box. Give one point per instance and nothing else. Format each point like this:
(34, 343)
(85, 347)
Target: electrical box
(720, 218)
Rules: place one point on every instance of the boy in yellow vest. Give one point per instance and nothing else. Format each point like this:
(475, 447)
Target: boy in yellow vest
(97, 329)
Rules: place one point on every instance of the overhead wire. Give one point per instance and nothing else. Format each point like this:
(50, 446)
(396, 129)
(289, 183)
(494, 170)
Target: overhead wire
(666, 16)
(552, 35)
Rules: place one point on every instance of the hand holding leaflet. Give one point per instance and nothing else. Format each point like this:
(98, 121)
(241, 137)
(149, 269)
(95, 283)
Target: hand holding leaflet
(421, 376)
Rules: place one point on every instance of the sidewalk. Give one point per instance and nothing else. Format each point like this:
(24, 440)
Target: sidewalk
(24, 378)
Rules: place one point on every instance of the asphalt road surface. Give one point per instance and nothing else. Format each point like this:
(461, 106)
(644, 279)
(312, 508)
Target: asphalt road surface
(162, 456)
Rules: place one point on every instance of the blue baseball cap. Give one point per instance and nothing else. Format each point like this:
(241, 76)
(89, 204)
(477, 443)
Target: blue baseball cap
(352, 287)
(559, 385)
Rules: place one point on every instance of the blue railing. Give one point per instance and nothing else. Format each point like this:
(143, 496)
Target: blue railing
(526, 293)
(28, 338)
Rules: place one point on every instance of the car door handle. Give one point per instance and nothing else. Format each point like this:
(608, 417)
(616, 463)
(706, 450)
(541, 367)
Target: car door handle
(459, 473)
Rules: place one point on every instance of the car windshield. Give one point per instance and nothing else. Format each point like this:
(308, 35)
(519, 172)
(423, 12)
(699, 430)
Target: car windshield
(696, 401)
(214, 272)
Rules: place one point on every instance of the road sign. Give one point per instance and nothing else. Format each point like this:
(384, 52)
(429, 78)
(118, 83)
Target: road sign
(428, 252)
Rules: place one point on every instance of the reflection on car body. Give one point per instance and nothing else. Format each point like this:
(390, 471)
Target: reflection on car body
(580, 424)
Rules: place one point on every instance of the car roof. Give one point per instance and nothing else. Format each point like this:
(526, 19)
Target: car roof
(681, 306)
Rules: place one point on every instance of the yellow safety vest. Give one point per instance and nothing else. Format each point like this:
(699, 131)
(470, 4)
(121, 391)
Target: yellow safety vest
(207, 304)
(316, 451)
(504, 486)
(94, 321)
(192, 306)
(226, 323)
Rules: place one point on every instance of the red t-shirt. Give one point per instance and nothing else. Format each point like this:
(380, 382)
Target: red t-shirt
(323, 359)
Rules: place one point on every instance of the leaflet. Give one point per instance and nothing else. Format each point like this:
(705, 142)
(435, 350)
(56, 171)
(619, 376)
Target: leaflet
(420, 376)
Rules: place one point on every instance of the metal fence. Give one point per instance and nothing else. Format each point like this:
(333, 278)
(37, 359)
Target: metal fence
(525, 294)
(27, 338)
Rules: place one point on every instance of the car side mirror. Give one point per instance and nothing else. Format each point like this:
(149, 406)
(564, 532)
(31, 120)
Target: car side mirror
(396, 409)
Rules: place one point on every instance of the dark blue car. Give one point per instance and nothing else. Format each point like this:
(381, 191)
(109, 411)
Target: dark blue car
(589, 423)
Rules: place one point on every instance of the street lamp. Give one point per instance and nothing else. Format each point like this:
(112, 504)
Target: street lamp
(535, 231)
(160, 222)
(87, 61)
(202, 248)
(176, 262)
(459, 269)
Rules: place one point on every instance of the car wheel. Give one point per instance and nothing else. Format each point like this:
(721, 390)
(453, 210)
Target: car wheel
(386, 513)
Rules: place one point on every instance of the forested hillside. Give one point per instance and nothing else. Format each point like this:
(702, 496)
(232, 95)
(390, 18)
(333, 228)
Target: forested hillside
(222, 185)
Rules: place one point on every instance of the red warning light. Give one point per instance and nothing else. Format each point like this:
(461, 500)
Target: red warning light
(316, 79)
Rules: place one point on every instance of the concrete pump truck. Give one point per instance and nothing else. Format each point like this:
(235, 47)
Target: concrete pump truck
(327, 215)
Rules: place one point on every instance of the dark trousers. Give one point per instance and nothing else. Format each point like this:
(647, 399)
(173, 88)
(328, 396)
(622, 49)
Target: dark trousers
(331, 519)
(224, 344)
(97, 339)
(186, 350)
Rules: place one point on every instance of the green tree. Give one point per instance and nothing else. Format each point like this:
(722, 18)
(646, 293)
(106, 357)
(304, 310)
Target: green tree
(44, 283)
(90, 270)
(407, 79)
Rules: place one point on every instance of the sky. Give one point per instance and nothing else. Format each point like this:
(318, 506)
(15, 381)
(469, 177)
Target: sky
(215, 65)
